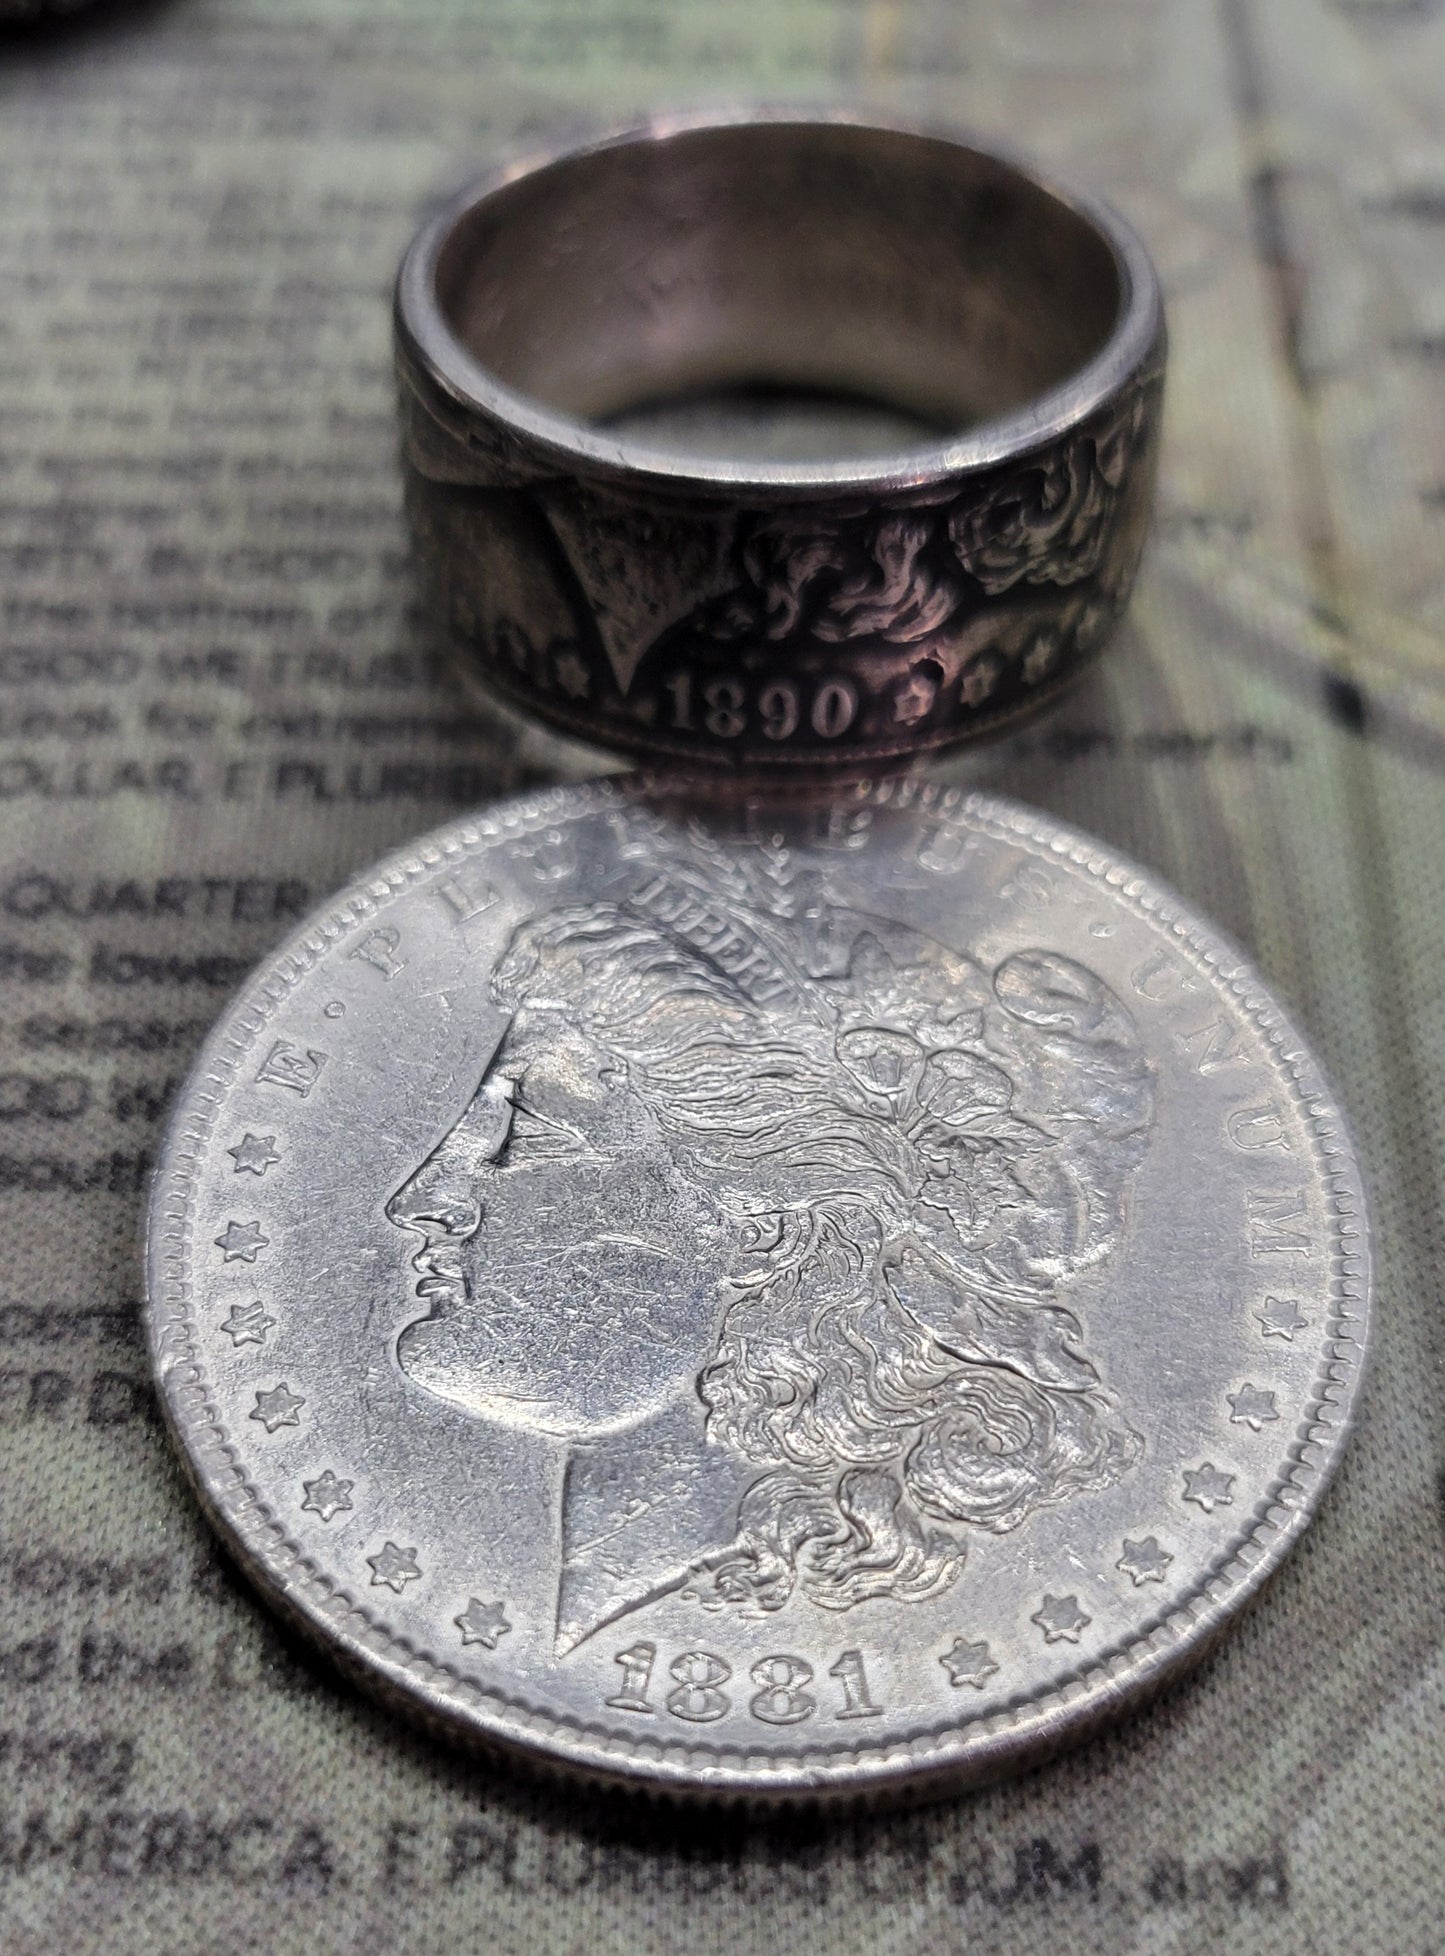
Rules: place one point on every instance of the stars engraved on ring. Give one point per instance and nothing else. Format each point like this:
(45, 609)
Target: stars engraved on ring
(914, 699)
(247, 1323)
(253, 1154)
(1252, 1407)
(1061, 1619)
(1281, 1317)
(1208, 1488)
(327, 1497)
(278, 1407)
(1040, 656)
(394, 1567)
(969, 1663)
(978, 684)
(573, 676)
(1144, 1561)
(483, 1623)
(241, 1242)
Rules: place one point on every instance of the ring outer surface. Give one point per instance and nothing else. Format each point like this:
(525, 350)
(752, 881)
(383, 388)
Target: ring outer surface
(659, 602)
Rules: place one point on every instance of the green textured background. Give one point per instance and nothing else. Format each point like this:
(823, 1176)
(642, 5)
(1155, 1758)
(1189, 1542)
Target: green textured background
(217, 700)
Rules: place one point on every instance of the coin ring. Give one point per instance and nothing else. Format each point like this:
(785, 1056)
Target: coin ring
(404, 1648)
(742, 611)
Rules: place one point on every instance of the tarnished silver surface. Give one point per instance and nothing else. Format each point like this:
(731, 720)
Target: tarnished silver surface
(739, 609)
(822, 1301)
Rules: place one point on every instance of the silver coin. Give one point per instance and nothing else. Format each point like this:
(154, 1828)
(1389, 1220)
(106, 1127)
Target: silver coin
(770, 1303)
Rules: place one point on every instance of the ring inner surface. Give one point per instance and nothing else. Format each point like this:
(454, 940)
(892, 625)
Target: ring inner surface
(815, 259)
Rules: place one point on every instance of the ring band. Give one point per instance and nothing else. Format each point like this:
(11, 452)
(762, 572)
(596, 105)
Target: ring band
(724, 608)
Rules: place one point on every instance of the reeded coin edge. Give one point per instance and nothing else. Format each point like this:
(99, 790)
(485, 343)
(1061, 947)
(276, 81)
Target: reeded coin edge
(938, 1757)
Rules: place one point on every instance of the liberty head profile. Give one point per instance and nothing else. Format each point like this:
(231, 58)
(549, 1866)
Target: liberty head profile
(766, 1211)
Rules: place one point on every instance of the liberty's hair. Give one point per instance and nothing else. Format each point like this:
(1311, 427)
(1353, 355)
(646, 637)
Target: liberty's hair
(907, 1203)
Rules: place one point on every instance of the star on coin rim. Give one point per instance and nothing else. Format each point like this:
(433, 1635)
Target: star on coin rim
(941, 1757)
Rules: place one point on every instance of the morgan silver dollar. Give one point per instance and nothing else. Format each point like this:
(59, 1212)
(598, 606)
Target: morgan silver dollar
(771, 1303)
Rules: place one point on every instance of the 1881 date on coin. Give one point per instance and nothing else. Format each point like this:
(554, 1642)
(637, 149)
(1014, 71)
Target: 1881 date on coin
(773, 1303)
